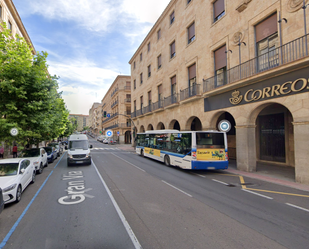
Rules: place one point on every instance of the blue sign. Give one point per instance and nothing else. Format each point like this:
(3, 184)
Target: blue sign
(224, 125)
(109, 133)
(117, 132)
(108, 115)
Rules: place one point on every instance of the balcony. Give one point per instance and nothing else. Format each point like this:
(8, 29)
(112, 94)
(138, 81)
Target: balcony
(189, 92)
(158, 105)
(287, 53)
(114, 104)
(127, 88)
(171, 100)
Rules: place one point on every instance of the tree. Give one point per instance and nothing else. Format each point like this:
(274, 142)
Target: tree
(29, 100)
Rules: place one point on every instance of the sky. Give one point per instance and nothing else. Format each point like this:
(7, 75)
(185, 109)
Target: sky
(89, 42)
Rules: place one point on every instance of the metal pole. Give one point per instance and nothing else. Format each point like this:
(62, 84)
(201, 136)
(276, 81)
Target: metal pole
(305, 25)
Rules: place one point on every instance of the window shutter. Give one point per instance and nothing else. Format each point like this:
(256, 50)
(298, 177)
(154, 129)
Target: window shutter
(266, 28)
(173, 80)
(218, 7)
(160, 89)
(220, 58)
(149, 95)
(192, 71)
(191, 31)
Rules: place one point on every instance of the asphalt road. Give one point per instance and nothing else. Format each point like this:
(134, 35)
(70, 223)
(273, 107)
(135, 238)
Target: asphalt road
(162, 207)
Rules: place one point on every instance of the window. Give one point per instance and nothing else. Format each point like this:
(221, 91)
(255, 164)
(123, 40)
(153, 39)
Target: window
(141, 78)
(0, 12)
(159, 62)
(160, 92)
(10, 26)
(134, 65)
(141, 57)
(142, 103)
(159, 34)
(220, 66)
(191, 33)
(173, 50)
(188, 1)
(148, 47)
(219, 10)
(266, 34)
(134, 84)
(149, 98)
(173, 85)
(172, 17)
(149, 71)
(192, 80)
(134, 104)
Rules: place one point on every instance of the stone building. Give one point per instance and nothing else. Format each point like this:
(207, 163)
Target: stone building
(10, 16)
(95, 119)
(116, 105)
(82, 121)
(244, 61)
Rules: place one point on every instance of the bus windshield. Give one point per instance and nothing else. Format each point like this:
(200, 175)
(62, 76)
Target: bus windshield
(209, 140)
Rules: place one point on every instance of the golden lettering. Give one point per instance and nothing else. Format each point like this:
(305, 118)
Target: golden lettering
(254, 97)
(266, 91)
(283, 88)
(246, 96)
(275, 89)
(302, 88)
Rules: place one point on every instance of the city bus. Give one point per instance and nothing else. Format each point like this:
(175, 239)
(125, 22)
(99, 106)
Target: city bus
(195, 150)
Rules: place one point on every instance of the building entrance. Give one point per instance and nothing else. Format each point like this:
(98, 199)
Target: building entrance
(272, 137)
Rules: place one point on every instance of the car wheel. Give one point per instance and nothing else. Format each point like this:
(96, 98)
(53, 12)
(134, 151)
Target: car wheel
(40, 170)
(167, 160)
(33, 177)
(18, 194)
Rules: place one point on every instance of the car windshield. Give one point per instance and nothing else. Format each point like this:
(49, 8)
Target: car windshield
(48, 149)
(8, 169)
(30, 153)
(78, 145)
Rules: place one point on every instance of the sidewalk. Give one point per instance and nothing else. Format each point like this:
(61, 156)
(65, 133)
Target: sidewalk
(275, 174)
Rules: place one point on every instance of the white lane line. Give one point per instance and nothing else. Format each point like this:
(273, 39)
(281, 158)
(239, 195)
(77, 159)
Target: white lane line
(292, 205)
(177, 188)
(224, 183)
(128, 162)
(199, 175)
(267, 197)
(130, 232)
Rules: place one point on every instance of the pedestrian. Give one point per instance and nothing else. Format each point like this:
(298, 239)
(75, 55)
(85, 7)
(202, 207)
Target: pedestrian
(1, 151)
(14, 151)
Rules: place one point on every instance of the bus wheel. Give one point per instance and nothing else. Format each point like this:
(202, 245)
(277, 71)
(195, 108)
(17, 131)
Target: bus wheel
(167, 160)
(142, 153)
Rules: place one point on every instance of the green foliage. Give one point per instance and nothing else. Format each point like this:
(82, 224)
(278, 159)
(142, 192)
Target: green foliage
(29, 100)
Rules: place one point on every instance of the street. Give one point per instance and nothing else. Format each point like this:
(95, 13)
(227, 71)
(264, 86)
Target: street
(126, 201)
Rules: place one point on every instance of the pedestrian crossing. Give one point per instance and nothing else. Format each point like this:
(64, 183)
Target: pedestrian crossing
(98, 148)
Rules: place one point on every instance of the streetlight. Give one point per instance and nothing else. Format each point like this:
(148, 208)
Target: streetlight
(305, 26)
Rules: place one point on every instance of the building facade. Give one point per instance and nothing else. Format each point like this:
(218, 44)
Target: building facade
(82, 121)
(116, 105)
(243, 61)
(95, 118)
(10, 16)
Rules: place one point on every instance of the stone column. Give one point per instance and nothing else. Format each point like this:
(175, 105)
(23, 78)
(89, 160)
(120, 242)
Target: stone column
(301, 147)
(246, 147)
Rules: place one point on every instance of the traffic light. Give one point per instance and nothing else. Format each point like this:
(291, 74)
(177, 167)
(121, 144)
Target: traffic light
(104, 114)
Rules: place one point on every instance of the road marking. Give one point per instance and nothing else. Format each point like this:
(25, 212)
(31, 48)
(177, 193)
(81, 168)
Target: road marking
(7, 237)
(98, 148)
(129, 162)
(304, 209)
(177, 188)
(224, 183)
(130, 232)
(199, 175)
(267, 197)
(281, 193)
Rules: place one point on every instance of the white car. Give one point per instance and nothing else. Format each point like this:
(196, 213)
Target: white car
(37, 156)
(15, 175)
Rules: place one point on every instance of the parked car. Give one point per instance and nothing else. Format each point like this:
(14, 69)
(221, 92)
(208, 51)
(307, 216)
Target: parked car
(51, 154)
(100, 138)
(37, 156)
(105, 141)
(1, 201)
(15, 175)
(57, 147)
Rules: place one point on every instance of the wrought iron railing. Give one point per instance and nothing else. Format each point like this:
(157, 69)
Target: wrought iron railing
(157, 105)
(190, 92)
(171, 99)
(288, 52)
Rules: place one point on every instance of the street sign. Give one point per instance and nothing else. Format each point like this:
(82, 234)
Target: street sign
(224, 125)
(118, 133)
(109, 133)
(108, 115)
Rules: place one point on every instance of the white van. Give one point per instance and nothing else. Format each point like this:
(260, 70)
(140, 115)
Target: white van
(78, 150)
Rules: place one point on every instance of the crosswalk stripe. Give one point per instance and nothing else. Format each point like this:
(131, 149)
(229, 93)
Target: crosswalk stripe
(105, 149)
